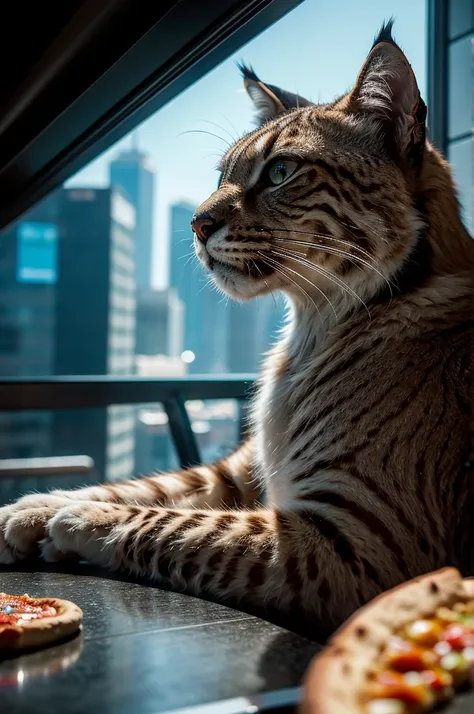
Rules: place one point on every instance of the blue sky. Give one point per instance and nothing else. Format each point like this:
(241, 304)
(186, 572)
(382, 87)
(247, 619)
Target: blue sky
(316, 50)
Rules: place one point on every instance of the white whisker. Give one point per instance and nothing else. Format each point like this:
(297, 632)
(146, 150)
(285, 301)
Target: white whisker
(209, 133)
(318, 269)
(336, 251)
(295, 272)
(325, 236)
(264, 281)
(281, 270)
(222, 128)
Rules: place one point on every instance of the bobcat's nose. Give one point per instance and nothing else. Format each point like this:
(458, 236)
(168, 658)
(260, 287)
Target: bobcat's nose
(204, 225)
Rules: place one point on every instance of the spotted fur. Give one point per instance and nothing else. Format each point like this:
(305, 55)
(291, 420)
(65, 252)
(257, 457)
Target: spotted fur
(358, 474)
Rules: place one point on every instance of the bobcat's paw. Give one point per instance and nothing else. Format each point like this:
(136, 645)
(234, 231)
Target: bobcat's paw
(84, 529)
(23, 524)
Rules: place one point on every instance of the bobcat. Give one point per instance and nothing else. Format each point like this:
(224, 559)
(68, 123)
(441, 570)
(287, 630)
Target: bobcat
(357, 474)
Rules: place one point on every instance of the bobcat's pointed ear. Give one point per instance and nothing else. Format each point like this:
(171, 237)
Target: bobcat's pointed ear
(269, 101)
(386, 88)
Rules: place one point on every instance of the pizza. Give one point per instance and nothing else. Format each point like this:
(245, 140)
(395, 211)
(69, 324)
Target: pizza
(27, 622)
(406, 652)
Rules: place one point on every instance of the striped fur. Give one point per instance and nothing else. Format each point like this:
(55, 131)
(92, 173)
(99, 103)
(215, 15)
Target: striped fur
(358, 473)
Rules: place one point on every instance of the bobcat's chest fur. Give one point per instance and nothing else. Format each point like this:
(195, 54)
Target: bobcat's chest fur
(281, 393)
(272, 415)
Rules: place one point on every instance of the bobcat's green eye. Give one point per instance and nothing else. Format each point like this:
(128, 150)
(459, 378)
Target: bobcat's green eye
(280, 170)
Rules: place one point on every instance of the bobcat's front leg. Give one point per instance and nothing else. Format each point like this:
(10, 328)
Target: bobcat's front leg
(264, 557)
(225, 482)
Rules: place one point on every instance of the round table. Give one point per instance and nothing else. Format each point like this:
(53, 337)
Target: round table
(145, 650)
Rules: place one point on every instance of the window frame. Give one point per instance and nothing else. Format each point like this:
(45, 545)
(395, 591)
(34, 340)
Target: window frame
(102, 391)
(437, 39)
(176, 46)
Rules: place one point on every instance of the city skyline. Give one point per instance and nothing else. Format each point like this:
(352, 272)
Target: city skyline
(71, 304)
(76, 319)
(185, 158)
(57, 325)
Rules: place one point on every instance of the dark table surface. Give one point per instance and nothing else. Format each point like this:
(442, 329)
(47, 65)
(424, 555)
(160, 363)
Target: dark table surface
(145, 650)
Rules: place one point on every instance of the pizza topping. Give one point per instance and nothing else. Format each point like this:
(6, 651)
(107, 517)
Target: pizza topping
(442, 648)
(387, 706)
(423, 664)
(16, 610)
(404, 657)
(408, 688)
(458, 636)
(468, 654)
(437, 679)
(456, 665)
(424, 632)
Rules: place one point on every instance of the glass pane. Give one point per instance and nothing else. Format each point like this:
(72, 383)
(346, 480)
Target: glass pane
(460, 87)
(215, 424)
(101, 278)
(71, 448)
(154, 448)
(461, 156)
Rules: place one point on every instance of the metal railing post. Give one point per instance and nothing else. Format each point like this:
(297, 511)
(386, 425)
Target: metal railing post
(181, 431)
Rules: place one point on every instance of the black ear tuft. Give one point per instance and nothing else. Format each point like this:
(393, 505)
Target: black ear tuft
(269, 101)
(386, 90)
(247, 72)
(385, 34)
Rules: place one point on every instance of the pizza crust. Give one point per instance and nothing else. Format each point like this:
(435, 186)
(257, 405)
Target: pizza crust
(43, 631)
(337, 676)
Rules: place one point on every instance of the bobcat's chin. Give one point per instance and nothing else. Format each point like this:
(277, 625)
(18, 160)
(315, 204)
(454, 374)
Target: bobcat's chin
(235, 283)
(236, 277)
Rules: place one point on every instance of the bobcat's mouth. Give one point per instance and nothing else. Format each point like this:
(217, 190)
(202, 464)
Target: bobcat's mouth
(249, 268)
(214, 265)
(240, 282)
(212, 262)
(240, 277)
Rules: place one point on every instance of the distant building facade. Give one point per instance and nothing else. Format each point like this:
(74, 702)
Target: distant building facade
(133, 173)
(160, 323)
(95, 319)
(28, 279)
(206, 322)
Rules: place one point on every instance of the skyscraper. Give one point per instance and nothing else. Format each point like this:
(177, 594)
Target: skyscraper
(185, 277)
(132, 172)
(160, 323)
(67, 280)
(253, 328)
(95, 320)
(204, 316)
(206, 321)
(184, 274)
(28, 278)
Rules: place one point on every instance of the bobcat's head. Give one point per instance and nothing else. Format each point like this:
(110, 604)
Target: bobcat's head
(318, 199)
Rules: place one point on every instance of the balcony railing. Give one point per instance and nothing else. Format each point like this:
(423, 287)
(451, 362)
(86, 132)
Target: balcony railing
(103, 391)
(49, 465)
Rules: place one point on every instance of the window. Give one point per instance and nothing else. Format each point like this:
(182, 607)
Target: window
(100, 278)
(460, 140)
